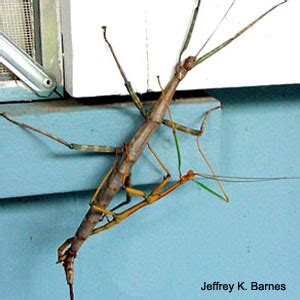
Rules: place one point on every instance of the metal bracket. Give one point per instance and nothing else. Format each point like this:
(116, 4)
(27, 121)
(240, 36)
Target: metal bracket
(25, 68)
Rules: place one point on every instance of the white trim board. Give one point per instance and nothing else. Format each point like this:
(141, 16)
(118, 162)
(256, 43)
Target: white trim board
(147, 36)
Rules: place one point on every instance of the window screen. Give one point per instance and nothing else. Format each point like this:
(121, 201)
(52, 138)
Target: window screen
(17, 22)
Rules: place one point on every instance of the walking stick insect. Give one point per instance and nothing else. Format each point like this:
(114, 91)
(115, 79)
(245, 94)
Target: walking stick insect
(125, 157)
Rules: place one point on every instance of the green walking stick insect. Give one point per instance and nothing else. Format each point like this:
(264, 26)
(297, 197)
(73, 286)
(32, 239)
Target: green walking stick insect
(126, 156)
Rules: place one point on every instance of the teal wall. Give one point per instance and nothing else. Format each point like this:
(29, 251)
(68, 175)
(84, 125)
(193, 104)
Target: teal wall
(169, 249)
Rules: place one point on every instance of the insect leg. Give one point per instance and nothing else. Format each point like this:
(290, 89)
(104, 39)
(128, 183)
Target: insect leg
(132, 93)
(127, 184)
(132, 191)
(73, 146)
(189, 130)
(61, 250)
(136, 100)
(201, 131)
(154, 196)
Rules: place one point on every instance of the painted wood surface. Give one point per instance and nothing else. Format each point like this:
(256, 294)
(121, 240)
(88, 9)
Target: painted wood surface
(169, 249)
(147, 36)
(33, 164)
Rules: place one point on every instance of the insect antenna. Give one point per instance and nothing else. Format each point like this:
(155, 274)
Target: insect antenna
(216, 28)
(234, 37)
(243, 179)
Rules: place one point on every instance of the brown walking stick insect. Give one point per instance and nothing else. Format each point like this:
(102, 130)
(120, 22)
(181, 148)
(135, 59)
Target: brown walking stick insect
(125, 157)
